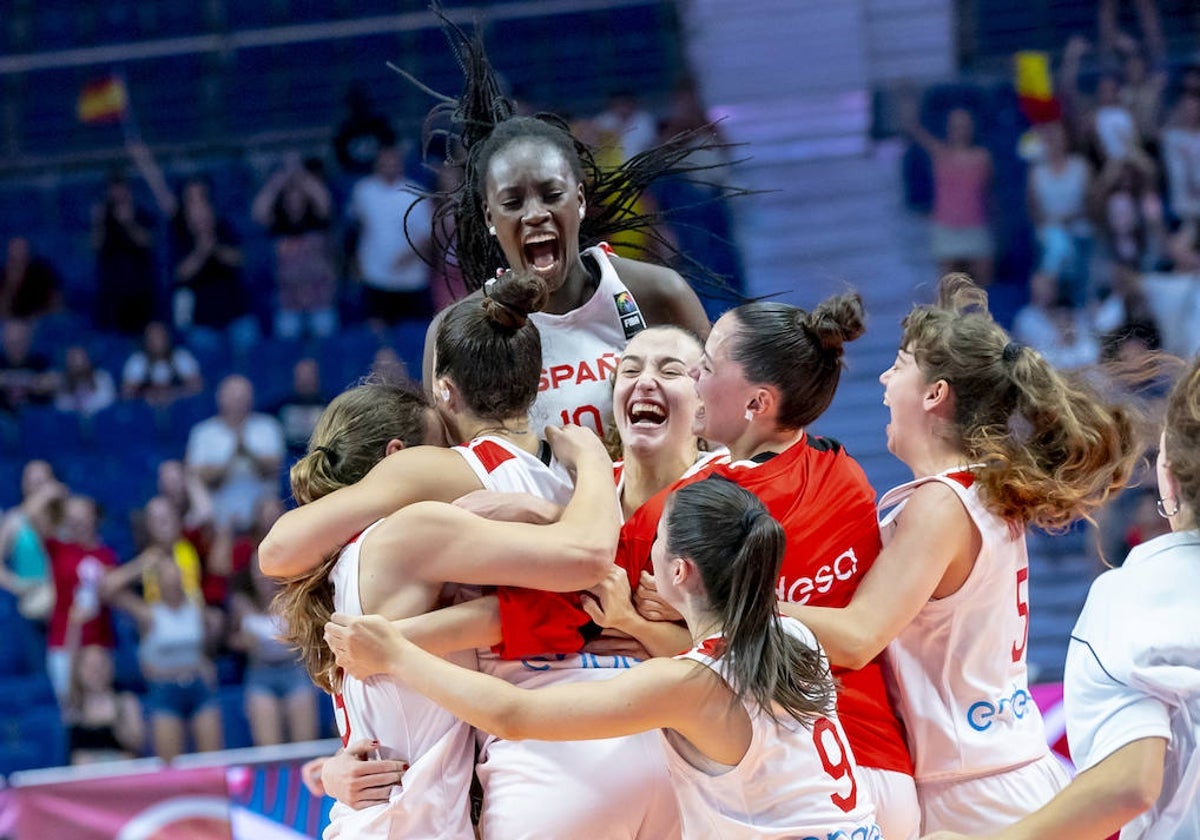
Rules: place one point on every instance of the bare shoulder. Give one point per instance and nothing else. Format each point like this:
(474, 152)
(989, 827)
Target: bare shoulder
(664, 296)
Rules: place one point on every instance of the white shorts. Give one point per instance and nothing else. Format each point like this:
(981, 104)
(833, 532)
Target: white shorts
(984, 804)
(897, 810)
(610, 789)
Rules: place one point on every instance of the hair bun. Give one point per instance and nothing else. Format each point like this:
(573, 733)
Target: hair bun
(838, 320)
(509, 298)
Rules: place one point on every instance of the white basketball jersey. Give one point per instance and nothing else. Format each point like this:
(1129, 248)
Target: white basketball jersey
(539, 789)
(1133, 672)
(957, 672)
(433, 801)
(794, 781)
(580, 349)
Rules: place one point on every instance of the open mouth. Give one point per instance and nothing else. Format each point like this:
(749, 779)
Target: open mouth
(647, 414)
(541, 253)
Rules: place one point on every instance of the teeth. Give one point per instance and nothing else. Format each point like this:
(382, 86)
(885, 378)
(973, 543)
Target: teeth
(535, 240)
(646, 408)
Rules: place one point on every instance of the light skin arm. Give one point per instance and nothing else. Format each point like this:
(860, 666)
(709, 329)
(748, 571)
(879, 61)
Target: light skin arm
(436, 542)
(930, 555)
(662, 693)
(1098, 802)
(301, 538)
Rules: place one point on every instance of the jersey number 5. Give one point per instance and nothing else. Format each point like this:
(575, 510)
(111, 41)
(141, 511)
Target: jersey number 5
(825, 731)
(1018, 648)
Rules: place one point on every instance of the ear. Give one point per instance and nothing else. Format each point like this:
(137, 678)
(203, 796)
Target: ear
(487, 213)
(938, 396)
(445, 394)
(765, 400)
(582, 202)
(393, 446)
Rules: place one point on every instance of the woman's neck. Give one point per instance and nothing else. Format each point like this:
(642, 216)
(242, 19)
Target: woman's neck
(644, 477)
(934, 458)
(751, 446)
(576, 290)
(516, 430)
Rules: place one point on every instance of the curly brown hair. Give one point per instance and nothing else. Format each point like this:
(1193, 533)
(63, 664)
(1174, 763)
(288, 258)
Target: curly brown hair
(1052, 448)
(1182, 437)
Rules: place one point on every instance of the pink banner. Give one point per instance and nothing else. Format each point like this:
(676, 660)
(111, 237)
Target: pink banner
(165, 805)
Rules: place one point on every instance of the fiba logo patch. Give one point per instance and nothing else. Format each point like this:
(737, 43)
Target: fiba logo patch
(631, 317)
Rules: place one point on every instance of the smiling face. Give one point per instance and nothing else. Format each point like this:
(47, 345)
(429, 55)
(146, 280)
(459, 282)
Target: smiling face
(654, 400)
(904, 389)
(721, 384)
(535, 203)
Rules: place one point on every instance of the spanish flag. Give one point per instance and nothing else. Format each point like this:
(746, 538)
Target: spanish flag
(1035, 90)
(102, 101)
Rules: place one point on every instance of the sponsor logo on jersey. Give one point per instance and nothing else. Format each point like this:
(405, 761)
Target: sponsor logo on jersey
(557, 661)
(983, 713)
(631, 317)
(863, 832)
(798, 590)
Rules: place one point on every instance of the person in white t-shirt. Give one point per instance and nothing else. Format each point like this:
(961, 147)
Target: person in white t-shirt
(747, 721)
(237, 453)
(394, 233)
(997, 440)
(1132, 679)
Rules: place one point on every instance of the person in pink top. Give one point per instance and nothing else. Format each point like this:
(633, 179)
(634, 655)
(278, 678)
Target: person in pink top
(962, 177)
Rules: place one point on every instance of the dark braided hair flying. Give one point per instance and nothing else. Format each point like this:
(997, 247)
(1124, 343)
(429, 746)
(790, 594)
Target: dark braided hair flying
(482, 122)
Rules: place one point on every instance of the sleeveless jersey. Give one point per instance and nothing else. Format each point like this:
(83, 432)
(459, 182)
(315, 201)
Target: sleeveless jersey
(580, 349)
(1133, 672)
(433, 801)
(958, 670)
(538, 789)
(794, 781)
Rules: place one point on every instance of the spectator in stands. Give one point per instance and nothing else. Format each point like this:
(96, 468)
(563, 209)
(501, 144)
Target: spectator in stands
(281, 703)
(295, 207)
(1057, 196)
(160, 372)
(30, 287)
(193, 503)
(210, 297)
(362, 133)
(1181, 157)
(1052, 325)
(299, 411)
(78, 562)
(1130, 214)
(102, 723)
(180, 677)
(123, 239)
(25, 567)
(1142, 95)
(962, 178)
(208, 294)
(25, 374)
(391, 266)
(83, 388)
(626, 125)
(388, 364)
(1126, 310)
(162, 536)
(237, 453)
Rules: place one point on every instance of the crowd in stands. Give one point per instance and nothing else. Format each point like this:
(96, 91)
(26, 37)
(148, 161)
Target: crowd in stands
(152, 432)
(1112, 203)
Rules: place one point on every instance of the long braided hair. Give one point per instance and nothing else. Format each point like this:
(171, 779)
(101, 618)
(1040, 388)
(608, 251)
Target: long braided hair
(483, 121)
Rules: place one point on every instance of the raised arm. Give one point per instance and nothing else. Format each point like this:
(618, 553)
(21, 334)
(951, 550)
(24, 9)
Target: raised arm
(930, 555)
(301, 538)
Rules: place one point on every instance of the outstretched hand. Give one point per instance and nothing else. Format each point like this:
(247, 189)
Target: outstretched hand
(363, 645)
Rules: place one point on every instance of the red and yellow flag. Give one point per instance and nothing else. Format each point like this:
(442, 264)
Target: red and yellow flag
(1035, 88)
(102, 101)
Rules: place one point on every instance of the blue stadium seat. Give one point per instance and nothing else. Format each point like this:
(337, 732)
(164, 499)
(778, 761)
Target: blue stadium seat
(30, 691)
(49, 433)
